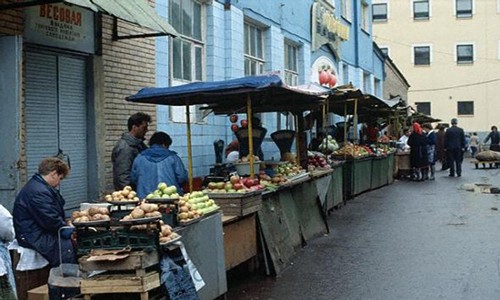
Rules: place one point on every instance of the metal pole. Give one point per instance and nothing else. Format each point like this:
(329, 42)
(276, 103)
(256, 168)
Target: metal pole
(190, 151)
(250, 135)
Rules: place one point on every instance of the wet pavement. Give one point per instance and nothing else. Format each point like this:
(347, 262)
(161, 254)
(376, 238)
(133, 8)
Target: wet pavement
(409, 240)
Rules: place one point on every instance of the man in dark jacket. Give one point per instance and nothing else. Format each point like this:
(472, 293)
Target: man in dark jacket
(454, 146)
(495, 139)
(128, 147)
(39, 214)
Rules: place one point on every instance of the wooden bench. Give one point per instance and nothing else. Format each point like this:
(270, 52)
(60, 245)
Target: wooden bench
(486, 164)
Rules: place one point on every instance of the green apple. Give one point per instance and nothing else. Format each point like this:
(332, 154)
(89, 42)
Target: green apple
(150, 196)
(162, 186)
(170, 190)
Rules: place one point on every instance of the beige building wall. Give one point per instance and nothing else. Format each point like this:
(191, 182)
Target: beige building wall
(444, 82)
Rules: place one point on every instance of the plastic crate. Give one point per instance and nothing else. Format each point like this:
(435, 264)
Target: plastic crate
(116, 238)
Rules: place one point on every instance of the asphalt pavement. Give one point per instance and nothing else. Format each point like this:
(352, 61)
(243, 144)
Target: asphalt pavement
(408, 240)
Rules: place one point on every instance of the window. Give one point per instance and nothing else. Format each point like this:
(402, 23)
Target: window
(465, 108)
(345, 73)
(365, 16)
(465, 54)
(291, 64)
(379, 12)
(366, 82)
(378, 88)
(424, 107)
(254, 50)
(347, 9)
(422, 55)
(385, 50)
(464, 8)
(421, 9)
(188, 48)
(187, 53)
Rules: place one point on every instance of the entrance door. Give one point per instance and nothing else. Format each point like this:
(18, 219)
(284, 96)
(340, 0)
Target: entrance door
(10, 53)
(57, 117)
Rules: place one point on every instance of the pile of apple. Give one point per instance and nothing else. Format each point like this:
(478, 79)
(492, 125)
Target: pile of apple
(194, 205)
(317, 160)
(127, 194)
(236, 184)
(164, 191)
(288, 169)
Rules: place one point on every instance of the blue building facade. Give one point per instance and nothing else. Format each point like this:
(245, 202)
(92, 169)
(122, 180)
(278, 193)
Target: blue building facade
(225, 39)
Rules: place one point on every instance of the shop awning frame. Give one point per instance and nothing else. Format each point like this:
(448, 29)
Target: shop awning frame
(133, 11)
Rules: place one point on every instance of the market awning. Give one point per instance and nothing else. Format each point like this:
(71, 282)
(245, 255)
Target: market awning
(134, 11)
(267, 93)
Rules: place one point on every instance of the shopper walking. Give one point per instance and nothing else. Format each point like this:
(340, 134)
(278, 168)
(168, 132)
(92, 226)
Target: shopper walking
(494, 136)
(418, 153)
(454, 145)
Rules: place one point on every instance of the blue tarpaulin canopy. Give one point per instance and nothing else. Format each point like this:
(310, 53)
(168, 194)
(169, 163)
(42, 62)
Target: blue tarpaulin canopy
(267, 93)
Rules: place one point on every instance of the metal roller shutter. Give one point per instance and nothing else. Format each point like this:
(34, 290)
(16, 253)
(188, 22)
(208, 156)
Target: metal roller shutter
(56, 118)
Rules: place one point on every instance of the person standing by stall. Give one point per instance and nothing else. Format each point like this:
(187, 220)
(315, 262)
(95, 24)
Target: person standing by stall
(128, 147)
(441, 155)
(454, 146)
(7, 282)
(431, 148)
(418, 153)
(158, 164)
(474, 143)
(494, 136)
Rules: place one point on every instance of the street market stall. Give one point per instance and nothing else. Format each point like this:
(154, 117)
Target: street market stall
(258, 94)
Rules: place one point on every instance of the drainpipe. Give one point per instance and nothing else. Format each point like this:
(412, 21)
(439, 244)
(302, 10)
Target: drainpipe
(357, 28)
(227, 5)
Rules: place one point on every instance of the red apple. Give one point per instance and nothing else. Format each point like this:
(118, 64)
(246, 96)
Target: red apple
(244, 123)
(233, 118)
(237, 186)
(234, 127)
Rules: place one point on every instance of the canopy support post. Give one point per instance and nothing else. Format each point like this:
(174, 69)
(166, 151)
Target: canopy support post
(250, 135)
(190, 150)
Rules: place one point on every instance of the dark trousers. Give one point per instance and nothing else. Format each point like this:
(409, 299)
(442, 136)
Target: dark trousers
(455, 158)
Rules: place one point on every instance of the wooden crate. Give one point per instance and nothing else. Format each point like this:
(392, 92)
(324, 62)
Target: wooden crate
(39, 293)
(120, 283)
(238, 205)
(137, 260)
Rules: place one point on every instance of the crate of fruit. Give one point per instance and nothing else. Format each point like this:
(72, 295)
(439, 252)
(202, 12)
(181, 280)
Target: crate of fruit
(238, 204)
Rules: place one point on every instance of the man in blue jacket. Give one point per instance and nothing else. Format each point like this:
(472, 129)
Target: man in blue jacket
(157, 164)
(39, 214)
(454, 145)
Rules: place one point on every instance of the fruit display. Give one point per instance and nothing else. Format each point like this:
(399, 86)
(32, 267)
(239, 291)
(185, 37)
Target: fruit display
(94, 213)
(328, 145)
(127, 194)
(145, 210)
(288, 169)
(164, 191)
(194, 205)
(236, 184)
(246, 159)
(382, 150)
(167, 234)
(316, 160)
(352, 151)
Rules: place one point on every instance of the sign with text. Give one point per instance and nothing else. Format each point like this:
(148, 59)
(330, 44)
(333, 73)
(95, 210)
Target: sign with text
(325, 27)
(60, 25)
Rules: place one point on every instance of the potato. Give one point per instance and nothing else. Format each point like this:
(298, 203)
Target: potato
(166, 231)
(127, 218)
(164, 239)
(183, 215)
(103, 210)
(75, 214)
(105, 218)
(184, 209)
(94, 210)
(84, 212)
(137, 213)
(96, 217)
(84, 219)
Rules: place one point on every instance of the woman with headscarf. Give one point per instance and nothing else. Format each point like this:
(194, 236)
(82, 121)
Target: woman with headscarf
(418, 153)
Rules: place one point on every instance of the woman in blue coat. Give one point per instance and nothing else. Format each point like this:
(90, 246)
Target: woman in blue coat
(158, 164)
(39, 214)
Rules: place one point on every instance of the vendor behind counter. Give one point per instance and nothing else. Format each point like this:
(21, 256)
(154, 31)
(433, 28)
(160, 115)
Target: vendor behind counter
(258, 133)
